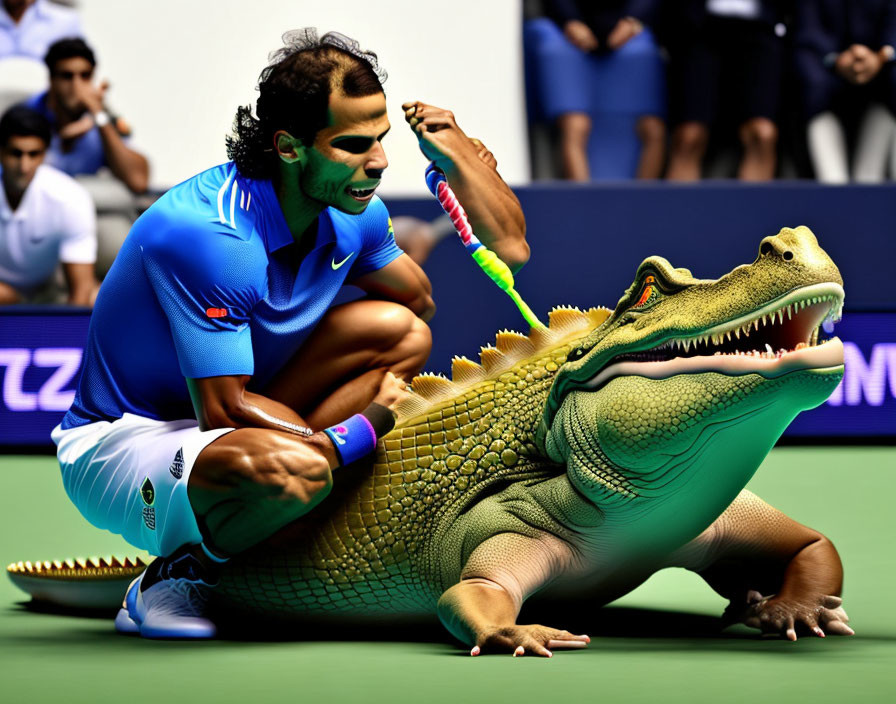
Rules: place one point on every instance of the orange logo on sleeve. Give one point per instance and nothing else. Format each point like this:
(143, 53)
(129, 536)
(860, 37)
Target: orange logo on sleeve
(216, 312)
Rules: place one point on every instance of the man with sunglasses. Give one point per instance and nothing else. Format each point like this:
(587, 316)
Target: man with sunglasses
(86, 137)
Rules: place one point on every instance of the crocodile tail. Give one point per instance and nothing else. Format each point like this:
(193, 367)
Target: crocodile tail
(79, 583)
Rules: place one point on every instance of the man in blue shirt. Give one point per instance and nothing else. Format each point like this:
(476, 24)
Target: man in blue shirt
(86, 137)
(218, 309)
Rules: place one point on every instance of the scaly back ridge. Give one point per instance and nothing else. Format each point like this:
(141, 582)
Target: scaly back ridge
(509, 349)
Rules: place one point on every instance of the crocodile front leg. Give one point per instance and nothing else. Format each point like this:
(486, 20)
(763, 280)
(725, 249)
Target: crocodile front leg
(482, 608)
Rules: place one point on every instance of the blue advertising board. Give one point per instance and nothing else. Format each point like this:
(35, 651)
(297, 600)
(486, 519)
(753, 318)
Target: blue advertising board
(864, 404)
(41, 352)
(587, 242)
(40, 358)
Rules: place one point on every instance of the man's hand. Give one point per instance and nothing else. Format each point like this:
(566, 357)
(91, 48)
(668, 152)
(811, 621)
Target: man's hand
(581, 36)
(79, 127)
(625, 29)
(90, 99)
(91, 96)
(859, 64)
(867, 63)
(784, 616)
(492, 209)
(392, 390)
(440, 138)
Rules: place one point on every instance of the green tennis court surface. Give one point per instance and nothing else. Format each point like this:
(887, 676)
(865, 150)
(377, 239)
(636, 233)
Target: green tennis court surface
(659, 644)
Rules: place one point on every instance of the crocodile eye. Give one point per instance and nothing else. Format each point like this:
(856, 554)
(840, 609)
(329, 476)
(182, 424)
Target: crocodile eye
(649, 293)
(575, 354)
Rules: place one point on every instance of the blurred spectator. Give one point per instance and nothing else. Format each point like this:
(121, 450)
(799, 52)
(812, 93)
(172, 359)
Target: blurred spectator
(417, 238)
(45, 217)
(29, 27)
(85, 136)
(591, 53)
(845, 64)
(725, 52)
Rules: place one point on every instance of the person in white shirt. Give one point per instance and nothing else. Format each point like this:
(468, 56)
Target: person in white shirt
(29, 27)
(45, 216)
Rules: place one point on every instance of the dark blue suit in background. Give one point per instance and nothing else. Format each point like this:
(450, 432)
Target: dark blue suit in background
(824, 28)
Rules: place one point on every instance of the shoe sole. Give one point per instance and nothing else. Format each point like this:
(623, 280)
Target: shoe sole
(165, 634)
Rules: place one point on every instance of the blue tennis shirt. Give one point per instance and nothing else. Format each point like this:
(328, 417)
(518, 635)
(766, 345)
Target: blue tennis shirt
(209, 283)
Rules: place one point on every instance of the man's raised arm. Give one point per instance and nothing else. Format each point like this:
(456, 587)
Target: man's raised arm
(492, 208)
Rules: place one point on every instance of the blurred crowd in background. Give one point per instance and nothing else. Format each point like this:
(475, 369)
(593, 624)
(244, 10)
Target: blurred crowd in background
(616, 89)
(684, 89)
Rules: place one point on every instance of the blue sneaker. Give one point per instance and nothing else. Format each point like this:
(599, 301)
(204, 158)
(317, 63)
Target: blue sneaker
(168, 600)
(123, 621)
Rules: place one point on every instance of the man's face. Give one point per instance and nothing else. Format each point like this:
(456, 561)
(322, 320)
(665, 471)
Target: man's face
(68, 80)
(347, 160)
(20, 157)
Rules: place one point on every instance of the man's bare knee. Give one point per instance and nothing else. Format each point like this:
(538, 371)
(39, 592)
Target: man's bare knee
(406, 344)
(690, 138)
(651, 130)
(759, 133)
(574, 127)
(8, 295)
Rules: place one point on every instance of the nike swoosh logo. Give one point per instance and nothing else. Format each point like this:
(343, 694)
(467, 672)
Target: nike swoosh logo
(336, 266)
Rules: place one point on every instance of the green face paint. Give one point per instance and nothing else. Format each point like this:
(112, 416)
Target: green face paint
(344, 165)
(330, 182)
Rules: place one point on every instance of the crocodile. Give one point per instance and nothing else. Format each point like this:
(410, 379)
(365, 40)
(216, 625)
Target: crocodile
(582, 457)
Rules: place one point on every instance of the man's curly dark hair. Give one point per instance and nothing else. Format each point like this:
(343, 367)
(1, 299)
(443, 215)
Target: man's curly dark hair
(294, 92)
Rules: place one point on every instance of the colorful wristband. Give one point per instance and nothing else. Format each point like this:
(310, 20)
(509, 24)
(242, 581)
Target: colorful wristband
(356, 437)
(353, 438)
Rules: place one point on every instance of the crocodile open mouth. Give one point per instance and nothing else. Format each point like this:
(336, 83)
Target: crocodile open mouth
(780, 337)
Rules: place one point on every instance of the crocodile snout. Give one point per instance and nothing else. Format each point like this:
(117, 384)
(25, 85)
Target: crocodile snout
(798, 247)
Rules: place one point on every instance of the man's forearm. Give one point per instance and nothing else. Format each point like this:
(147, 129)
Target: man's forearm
(251, 411)
(492, 208)
(82, 284)
(128, 165)
(82, 296)
(256, 411)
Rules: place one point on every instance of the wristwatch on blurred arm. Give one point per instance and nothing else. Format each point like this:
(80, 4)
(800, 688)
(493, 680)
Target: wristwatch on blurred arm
(101, 118)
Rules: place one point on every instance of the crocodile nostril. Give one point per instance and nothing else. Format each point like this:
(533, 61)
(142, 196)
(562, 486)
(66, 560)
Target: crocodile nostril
(766, 248)
(788, 255)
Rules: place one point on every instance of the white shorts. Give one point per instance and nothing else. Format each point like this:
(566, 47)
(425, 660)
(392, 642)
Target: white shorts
(130, 477)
